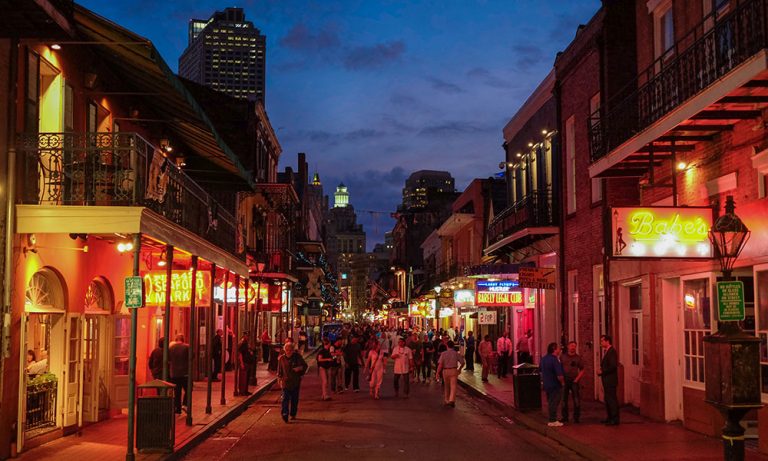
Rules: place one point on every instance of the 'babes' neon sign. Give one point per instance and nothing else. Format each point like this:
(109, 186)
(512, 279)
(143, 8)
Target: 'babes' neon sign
(661, 232)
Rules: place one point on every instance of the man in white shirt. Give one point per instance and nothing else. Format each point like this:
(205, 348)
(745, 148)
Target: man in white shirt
(403, 357)
(503, 348)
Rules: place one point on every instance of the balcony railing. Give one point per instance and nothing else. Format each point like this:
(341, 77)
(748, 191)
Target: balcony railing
(41, 405)
(711, 50)
(534, 210)
(119, 169)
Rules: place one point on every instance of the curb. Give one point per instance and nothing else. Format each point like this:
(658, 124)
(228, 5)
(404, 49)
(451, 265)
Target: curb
(212, 427)
(531, 423)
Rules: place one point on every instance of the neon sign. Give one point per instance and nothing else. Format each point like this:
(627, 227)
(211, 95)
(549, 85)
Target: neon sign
(661, 232)
(181, 288)
(498, 293)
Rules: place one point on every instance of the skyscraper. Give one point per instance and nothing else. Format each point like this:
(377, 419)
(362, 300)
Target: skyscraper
(425, 186)
(226, 53)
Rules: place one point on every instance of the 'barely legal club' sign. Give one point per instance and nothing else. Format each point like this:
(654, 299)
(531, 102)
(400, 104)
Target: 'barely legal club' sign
(498, 293)
(661, 232)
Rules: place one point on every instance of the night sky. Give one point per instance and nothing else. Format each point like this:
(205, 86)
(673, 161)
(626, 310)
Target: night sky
(374, 90)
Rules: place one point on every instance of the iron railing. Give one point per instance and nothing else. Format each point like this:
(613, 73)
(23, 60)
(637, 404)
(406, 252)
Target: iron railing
(717, 45)
(119, 169)
(41, 406)
(533, 210)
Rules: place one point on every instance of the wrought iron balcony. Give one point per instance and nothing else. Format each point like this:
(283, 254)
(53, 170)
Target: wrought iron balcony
(712, 49)
(119, 169)
(534, 210)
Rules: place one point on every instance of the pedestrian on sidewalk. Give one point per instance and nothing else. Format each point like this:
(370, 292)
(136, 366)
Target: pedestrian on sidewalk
(573, 368)
(216, 346)
(449, 366)
(553, 379)
(469, 351)
(337, 367)
(302, 341)
(324, 364)
(290, 368)
(503, 347)
(266, 342)
(609, 375)
(155, 360)
(246, 362)
(418, 355)
(428, 351)
(375, 368)
(486, 351)
(353, 359)
(178, 358)
(403, 357)
(524, 348)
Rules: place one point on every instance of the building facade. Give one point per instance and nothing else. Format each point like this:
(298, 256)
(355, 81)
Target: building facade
(227, 53)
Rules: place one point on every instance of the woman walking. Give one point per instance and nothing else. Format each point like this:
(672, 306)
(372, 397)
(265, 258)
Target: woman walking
(428, 351)
(374, 366)
(324, 363)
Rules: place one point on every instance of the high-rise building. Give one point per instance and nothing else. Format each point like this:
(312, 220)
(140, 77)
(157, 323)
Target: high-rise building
(341, 196)
(423, 186)
(226, 53)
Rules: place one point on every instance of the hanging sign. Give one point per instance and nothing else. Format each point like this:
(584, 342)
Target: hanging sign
(486, 317)
(181, 288)
(498, 293)
(463, 299)
(661, 232)
(537, 277)
(730, 301)
(134, 291)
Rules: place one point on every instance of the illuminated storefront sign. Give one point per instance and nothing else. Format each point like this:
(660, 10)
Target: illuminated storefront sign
(661, 232)
(181, 288)
(232, 295)
(463, 299)
(498, 293)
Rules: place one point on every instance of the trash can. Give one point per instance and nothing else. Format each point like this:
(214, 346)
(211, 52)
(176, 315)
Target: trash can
(527, 386)
(155, 417)
(274, 353)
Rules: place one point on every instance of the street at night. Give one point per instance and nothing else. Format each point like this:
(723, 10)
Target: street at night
(354, 426)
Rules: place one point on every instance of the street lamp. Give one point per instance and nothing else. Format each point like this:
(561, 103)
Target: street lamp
(731, 356)
(437, 289)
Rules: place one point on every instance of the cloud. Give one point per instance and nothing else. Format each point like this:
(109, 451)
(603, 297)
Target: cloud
(363, 134)
(456, 127)
(485, 76)
(371, 57)
(528, 55)
(445, 87)
(301, 38)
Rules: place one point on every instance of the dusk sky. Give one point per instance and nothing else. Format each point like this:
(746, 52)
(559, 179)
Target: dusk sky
(374, 90)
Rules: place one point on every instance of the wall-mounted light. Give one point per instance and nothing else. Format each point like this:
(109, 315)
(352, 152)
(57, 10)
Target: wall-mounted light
(518, 155)
(122, 247)
(544, 132)
(682, 166)
(161, 262)
(56, 46)
(530, 144)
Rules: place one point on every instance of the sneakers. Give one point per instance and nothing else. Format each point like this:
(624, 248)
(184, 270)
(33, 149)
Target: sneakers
(554, 424)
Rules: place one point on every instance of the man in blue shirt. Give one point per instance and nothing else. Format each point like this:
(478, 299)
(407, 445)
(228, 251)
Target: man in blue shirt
(552, 376)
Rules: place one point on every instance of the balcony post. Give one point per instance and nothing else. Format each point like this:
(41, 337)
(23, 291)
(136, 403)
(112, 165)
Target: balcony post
(210, 331)
(167, 313)
(130, 454)
(225, 340)
(192, 331)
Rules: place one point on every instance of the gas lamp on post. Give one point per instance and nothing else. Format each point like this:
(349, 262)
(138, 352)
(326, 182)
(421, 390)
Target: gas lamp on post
(731, 356)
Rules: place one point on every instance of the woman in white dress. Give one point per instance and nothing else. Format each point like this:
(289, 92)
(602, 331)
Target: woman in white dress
(374, 365)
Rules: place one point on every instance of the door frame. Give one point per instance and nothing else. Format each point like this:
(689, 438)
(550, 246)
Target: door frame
(78, 393)
(625, 316)
(671, 293)
(598, 313)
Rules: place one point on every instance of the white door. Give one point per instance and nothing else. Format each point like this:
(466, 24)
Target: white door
(120, 352)
(72, 371)
(673, 385)
(600, 325)
(93, 378)
(634, 367)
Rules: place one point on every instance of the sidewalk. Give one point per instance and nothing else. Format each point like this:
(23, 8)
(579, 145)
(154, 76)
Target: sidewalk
(107, 440)
(637, 437)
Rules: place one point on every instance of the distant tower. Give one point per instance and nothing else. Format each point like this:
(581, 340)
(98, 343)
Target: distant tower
(316, 180)
(341, 196)
(226, 53)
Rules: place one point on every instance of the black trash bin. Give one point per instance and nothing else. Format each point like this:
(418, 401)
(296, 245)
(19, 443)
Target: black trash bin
(274, 353)
(155, 417)
(527, 385)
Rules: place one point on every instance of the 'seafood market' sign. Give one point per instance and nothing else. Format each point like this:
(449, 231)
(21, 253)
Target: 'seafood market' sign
(498, 293)
(181, 288)
(661, 232)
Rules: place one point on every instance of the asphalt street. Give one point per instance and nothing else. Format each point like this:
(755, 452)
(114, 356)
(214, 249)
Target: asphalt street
(353, 426)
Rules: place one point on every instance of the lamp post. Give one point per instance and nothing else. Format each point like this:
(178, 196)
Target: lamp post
(437, 289)
(731, 356)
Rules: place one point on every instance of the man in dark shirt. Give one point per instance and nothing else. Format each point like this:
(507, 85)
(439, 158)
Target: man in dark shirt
(609, 375)
(216, 353)
(290, 368)
(156, 360)
(353, 358)
(573, 368)
(552, 377)
(469, 352)
(178, 356)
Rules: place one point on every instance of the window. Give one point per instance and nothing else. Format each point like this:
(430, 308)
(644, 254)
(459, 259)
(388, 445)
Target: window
(573, 306)
(636, 298)
(664, 31)
(570, 167)
(697, 323)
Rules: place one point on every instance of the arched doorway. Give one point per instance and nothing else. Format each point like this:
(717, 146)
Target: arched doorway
(96, 373)
(43, 361)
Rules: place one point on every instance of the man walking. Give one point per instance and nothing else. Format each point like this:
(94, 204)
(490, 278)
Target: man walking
(449, 366)
(246, 361)
(469, 352)
(610, 377)
(290, 368)
(216, 346)
(403, 357)
(178, 358)
(503, 347)
(524, 348)
(573, 369)
(552, 378)
(353, 358)
(486, 351)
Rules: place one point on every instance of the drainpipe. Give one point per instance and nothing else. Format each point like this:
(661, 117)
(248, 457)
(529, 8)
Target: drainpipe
(558, 203)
